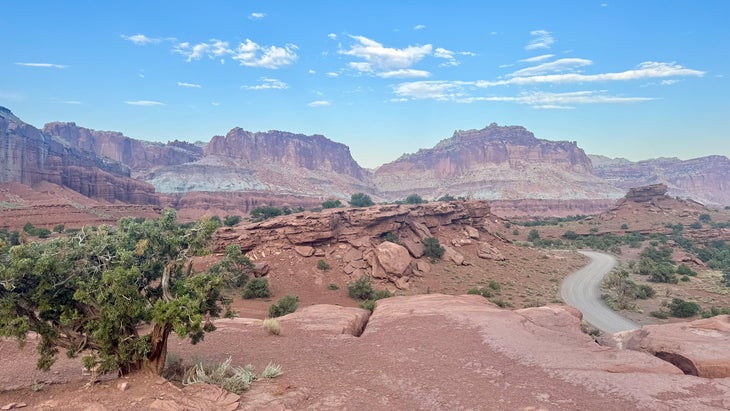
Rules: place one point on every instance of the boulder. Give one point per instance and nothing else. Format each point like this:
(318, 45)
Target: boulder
(304, 250)
(261, 269)
(490, 252)
(698, 347)
(393, 258)
(327, 319)
(451, 255)
(471, 232)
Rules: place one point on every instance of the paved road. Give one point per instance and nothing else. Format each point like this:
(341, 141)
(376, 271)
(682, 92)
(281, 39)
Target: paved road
(582, 290)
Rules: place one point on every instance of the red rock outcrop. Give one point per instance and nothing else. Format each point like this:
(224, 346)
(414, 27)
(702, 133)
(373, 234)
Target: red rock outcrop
(549, 208)
(704, 179)
(31, 157)
(136, 154)
(494, 163)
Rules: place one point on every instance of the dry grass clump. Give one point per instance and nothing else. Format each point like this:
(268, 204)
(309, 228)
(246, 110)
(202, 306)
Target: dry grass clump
(272, 326)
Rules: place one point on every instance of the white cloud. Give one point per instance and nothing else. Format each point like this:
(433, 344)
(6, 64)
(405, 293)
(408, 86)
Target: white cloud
(320, 103)
(268, 84)
(332, 36)
(190, 85)
(253, 55)
(669, 82)
(256, 16)
(145, 103)
(419, 27)
(248, 54)
(404, 73)
(432, 90)
(331, 74)
(557, 66)
(140, 39)
(537, 59)
(379, 58)
(542, 39)
(72, 102)
(43, 65)
(542, 99)
(448, 55)
(215, 104)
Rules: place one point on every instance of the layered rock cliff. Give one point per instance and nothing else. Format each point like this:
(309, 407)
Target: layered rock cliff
(495, 163)
(704, 179)
(30, 157)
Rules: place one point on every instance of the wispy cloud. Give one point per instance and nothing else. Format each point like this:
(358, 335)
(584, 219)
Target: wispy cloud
(256, 16)
(144, 103)
(331, 74)
(378, 58)
(557, 66)
(140, 39)
(190, 85)
(43, 65)
(320, 103)
(537, 59)
(542, 39)
(404, 73)
(215, 104)
(268, 84)
(332, 36)
(419, 27)
(448, 55)
(248, 53)
(71, 102)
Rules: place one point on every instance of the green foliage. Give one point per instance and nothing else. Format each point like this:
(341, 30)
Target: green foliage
(59, 228)
(231, 220)
(361, 200)
(515, 232)
(484, 292)
(231, 379)
(256, 288)
(29, 228)
(570, 235)
(683, 269)
(705, 218)
(645, 291)
(333, 287)
(361, 289)
(432, 248)
(391, 237)
(624, 226)
(662, 315)
(533, 235)
(683, 309)
(493, 285)
(623, 292)
(550, 221)
(42, 232)
(322, 265)
(92, 292)
(265, 213)
(696, 225)
(369, 304)
(446, 197)
(332, 204)
(286, 305)
(414, 199)
(8, 238)
(235, 267)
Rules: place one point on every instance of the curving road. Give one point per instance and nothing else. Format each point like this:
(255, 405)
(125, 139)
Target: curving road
(582, 290)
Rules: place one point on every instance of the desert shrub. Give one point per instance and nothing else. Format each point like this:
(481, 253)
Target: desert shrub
(231, 220)
(446, 197)
(231, 379)
(235, 267)
(265, 213)
(474, 291)
(414, 199)
(501, 303)
(380, 294)
(484, 292)
(662, 315)
(286, 305)
(361, 289)
(391, 237)
(42, 232)
(624, 226)
(271, 371)
(272, 326)
(683, 309)
(495, 286)
(174, 368)
(432, 248)
(322, 265)
(713, 311)
(256, 288)
(361, 200)
(684, 278)
(570, 235)
(29, 228)
(696, 225)
(705, 218)
(367, 305)
(333, 287)
(59, 228)
(683, 269)
(644, 292)
(515, 232)
(332, 203)
(533, 235)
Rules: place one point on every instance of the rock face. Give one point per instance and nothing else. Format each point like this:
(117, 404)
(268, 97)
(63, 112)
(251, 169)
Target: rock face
(647, 193)
(30, 157)
(357, 234)
(136, 154)
(697, 348)
(495, 163)
(704, 179)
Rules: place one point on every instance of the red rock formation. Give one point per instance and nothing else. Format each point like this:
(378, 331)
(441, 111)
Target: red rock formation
(31, 157)
(704, 179)
(494, 163)
(136, 154)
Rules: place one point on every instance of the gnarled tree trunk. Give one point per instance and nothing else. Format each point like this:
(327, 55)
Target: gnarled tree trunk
(158, 353)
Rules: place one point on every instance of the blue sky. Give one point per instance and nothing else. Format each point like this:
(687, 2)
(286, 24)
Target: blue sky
(636, 79)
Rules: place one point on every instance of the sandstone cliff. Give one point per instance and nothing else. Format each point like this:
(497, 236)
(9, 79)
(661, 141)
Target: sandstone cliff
(30, 157)
(495, 163)
(704, 179)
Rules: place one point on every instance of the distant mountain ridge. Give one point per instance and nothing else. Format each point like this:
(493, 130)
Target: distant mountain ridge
(506, 163)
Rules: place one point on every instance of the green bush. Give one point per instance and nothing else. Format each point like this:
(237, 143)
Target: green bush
(644, 292)
(322, 265)
(265, 213)
(570, 235)
(286, 305)
(683, 309)
(495, 286)
(624, 226)
(333, 287)
(256, 288)
(361, 200)
(332, 203)
(361, 289)
(369, 304)
(683, 269)
(533, 236)
(414, 199)
(705, 218)
(235, 267)
(42, 232)
(696, 225)
(391, 237)
(446, 197)
(432, 248)
(231, 220)
(59, 228)
(662, 315)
